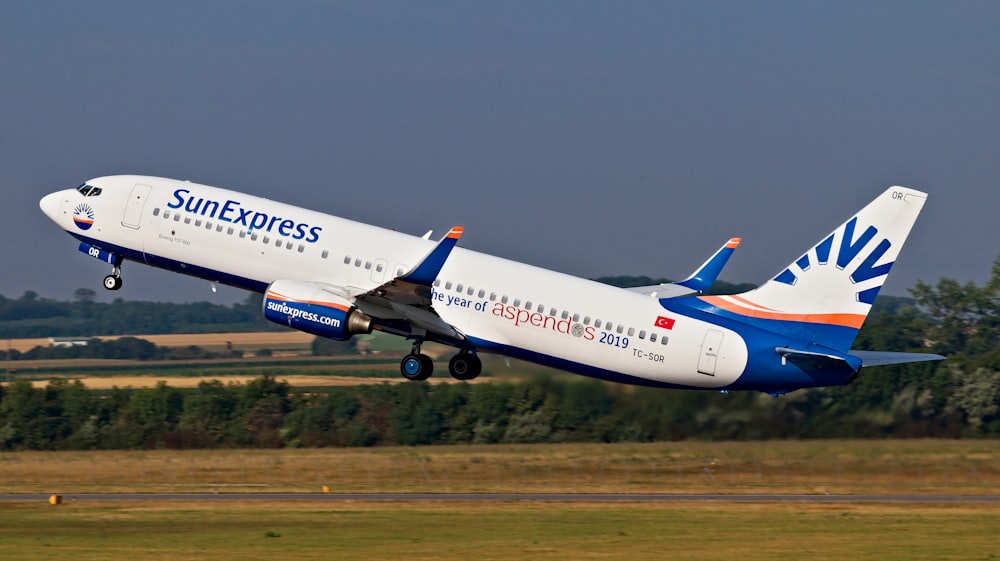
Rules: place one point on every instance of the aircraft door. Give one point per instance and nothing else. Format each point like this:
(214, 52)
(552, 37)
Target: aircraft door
(133, 207)
(710, 352)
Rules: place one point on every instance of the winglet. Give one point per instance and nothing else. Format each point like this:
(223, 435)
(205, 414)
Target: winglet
(705, 276)
(701, 279)
(427, 270)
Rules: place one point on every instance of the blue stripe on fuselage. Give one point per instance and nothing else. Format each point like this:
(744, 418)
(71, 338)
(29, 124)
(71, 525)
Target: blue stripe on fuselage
(838, 337)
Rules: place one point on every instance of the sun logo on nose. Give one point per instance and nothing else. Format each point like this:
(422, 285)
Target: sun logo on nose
(83, 216)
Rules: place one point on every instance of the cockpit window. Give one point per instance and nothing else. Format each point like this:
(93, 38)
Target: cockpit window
(89, 190)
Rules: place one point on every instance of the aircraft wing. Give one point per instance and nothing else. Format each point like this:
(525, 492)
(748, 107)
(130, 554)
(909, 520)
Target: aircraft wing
(700, 280)
(408, 297)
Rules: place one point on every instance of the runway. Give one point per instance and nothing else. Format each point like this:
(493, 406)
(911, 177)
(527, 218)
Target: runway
(515, 497)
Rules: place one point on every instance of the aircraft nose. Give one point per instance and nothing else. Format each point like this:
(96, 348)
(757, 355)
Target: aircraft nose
(50, 205)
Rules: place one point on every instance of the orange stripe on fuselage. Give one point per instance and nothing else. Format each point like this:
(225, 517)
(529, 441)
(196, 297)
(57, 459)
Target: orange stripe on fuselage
(283, 298)
(846, 320)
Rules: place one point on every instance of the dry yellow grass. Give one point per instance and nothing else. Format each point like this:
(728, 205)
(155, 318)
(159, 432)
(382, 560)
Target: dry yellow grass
(924, 466)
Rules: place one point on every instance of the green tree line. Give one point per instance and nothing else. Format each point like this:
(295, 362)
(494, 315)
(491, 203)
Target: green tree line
(31, 316)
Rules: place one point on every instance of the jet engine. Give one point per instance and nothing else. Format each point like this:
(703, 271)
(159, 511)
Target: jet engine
(312, 308)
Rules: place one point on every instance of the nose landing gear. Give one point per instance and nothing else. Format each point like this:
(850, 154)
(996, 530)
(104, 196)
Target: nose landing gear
(114, 280)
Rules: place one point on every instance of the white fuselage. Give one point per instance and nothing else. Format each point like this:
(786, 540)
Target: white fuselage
(501, 305)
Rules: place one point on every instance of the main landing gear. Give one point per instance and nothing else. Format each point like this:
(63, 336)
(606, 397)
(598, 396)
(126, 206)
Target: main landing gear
(418, 366)
(465, 366)
(114, 280)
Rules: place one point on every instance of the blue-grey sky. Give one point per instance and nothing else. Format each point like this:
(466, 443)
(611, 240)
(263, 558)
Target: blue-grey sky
(594, 138)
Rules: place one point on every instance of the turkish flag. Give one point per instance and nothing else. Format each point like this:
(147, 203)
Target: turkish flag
(664, 323)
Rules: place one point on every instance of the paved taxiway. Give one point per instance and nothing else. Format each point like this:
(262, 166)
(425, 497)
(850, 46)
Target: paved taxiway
(528, 497)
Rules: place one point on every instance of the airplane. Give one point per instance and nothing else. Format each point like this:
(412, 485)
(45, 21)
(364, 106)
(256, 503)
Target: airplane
(336, 278)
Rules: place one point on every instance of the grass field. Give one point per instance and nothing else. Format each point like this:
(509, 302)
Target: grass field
(554, 530)
(503, 531)
(819, 467)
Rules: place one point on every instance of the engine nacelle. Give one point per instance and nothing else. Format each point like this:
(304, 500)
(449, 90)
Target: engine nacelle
(311, 308)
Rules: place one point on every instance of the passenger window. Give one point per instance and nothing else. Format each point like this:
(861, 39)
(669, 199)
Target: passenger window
(576, 318)
(586, 320)
(357, 262)
(631, 331)
(652, 337)
(620, 329)
(177, 218)
(368, 265)
(493, 296)
(447, 285)
(208, 224)
(664, 340)
(302, 248)
(253, 236)
(156, 211)
(565, 314)
(642, 334)
(503, 300)
(470, 291)
(459, 288)
(187, 219)
(197, 223)
(243, 233)
(347, 260)
(608, 326)
(482, 293)
(380, 267)
(218, 228)
(517, 302)
(325, 254)
(166, 214)
(597, 323)
(553, 312)
(266, 239)
(288, 245)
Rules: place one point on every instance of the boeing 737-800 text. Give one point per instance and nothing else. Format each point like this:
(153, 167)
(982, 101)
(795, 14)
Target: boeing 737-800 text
(336, 278)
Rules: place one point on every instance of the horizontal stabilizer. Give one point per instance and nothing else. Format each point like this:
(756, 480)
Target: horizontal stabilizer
(818, 359)
(881, 358)
(700, 280)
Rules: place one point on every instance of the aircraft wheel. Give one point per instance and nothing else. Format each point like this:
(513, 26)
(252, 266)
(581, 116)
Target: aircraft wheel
(112, 282)
(465, 366)
(416, 367)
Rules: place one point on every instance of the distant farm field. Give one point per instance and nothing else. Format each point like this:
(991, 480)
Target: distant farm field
(290, 359)
(211, 341)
